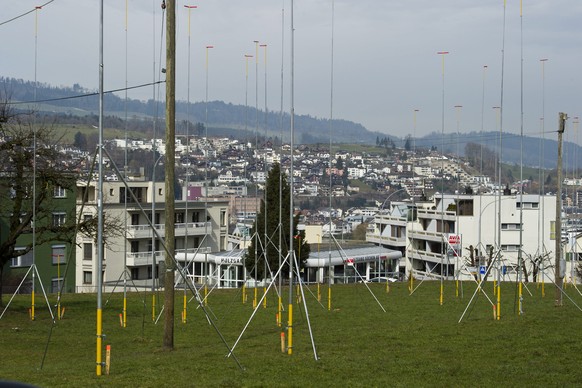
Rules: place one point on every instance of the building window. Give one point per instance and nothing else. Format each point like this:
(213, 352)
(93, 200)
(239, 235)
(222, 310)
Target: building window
(223, 218)
(134, 246)
(134, 273)
(179, 218)
(137, 192)
(510, 248)
(528, 205)
(59, 219)
(24, 260)
(465, 207)
(58, 254)
(87, 251)
(56, 284)
(87, 277)
(510, 226)
(59, 192)
(135, 219)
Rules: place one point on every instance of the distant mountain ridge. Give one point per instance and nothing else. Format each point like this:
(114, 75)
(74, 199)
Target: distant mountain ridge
(533, 147)
(238, 121)
(77, 100)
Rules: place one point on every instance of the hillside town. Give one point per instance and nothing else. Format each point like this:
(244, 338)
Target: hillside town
(375, 213)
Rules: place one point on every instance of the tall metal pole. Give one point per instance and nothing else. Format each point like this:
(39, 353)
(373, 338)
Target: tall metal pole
(330, 269)
(520, 252)
(99, 335)
(185, 296)
(168, 340)
(280, 285)
(266, 243)
(32, 307)
(125, 165)
(443, 248)
(244, 287)
(154, 161)
(559, 275)
(482, 121)
(256, 236)
(498, 310)
(458, 109)
(411, 257)
(206, 269)
(154, 222)
(292, 144)
(542, 175)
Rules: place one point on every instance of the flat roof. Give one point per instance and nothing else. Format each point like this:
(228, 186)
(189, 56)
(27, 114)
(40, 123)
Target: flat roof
(340, 256)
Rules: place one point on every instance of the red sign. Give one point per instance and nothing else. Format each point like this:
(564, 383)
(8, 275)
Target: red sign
(454, 239)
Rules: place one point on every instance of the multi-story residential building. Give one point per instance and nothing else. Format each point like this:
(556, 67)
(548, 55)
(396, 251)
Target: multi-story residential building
(51, 254)
(455, 236)
(200, 227)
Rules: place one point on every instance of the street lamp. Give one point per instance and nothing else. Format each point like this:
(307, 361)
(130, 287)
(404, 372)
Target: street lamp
(496, 287)
(387, 198)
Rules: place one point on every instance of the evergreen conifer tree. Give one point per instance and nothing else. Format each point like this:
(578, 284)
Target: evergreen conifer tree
(265, 243)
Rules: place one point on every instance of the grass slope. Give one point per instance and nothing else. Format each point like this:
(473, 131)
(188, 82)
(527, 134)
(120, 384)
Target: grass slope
(416, 342)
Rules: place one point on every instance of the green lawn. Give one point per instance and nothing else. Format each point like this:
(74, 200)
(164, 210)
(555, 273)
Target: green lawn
(416, 342)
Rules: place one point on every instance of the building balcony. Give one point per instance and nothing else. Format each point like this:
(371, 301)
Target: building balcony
(436, 215)
(426, 235)
(386, 219)
(137, 259)
(434, 257)
(193, 228)
(386, 240)
(183, 229)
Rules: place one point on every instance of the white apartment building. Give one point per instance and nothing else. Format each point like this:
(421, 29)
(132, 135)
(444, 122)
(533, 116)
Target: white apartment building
(200, 225)
(437, 237)
(356, 172)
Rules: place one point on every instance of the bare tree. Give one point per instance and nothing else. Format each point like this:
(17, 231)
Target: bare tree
(33, 166)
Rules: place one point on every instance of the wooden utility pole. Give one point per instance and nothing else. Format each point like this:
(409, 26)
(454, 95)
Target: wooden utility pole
(169, 169)
(559, 271)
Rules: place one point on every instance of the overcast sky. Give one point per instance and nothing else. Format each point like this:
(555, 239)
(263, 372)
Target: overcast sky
(385, 56)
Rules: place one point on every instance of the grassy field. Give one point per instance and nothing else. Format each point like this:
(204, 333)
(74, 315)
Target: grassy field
(416, 342)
